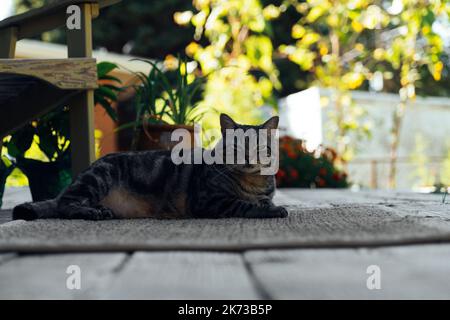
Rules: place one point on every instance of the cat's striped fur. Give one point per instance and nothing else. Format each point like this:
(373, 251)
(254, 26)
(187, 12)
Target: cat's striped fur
(149, 185)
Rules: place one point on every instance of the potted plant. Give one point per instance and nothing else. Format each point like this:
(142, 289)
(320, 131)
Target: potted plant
(164, 101)
(50, 174)
(46, 178)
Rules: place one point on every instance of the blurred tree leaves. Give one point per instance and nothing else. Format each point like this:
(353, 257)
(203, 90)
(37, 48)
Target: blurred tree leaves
(232, 46)
(340, 44)
(147, 28)
(345, 43)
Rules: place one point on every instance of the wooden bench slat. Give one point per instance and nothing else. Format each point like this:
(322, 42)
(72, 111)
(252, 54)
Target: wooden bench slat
(72, 74)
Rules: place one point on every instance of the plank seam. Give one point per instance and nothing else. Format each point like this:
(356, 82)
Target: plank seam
(258, 285)
(9, 258)
(122, 264)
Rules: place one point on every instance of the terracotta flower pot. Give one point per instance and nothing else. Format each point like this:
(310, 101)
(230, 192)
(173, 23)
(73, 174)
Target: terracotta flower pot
(158, 136)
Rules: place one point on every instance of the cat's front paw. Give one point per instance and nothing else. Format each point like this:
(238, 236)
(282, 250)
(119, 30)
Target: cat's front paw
(102, 213)
(268, 212)
(276, 212)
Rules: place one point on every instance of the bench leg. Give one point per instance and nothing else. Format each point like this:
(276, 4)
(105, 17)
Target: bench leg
(8, 40)
(79, 44)
(82, 131)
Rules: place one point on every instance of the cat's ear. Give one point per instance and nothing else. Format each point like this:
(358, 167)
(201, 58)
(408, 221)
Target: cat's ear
(272, 123)
(226, 122)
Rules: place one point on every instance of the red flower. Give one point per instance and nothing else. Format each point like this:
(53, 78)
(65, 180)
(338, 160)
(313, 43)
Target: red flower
(281, 174)
(322, 171)
(293, 173)
(287, 138)
(336, 176)
(321, 182)
(291, 154)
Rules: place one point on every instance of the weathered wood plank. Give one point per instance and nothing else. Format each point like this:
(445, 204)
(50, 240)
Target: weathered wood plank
(183, 275)
(413, 272)
(49, 17)
(44, 276)
(298, 198)
(327, 197)
(323, 197)
(75, 73)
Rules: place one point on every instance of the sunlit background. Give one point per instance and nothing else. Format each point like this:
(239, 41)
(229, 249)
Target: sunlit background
(6, 9)
(368, 79)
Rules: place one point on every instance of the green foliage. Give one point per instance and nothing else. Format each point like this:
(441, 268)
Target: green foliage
(232, 39)
(416, 44)
(159, 99)
(108, 88)
(330, 42)
(168, 96)
(181, 98)
(49, 132)
(146, 28)
(21, 141)
(252, 46)
(147, 99)
(300, 168)
(344, 43)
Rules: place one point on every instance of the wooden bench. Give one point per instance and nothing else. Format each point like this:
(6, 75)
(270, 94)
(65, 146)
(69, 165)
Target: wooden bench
(31, 88)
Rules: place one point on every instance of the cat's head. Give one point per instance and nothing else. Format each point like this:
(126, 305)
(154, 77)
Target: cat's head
(250, 148)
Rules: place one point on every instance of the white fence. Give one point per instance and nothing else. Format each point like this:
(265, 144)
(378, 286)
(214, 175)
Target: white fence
(424, 140)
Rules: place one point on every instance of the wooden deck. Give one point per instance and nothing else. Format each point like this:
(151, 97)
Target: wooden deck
(407, 272)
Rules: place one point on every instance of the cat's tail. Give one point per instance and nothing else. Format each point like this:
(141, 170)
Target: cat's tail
(36, 210)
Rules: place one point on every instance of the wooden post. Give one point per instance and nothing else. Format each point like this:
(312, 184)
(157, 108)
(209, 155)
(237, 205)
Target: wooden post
(8, 40)
(79, 43)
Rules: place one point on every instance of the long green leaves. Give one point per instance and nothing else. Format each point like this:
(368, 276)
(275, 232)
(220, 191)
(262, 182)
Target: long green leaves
(107, 91)
(159, 99)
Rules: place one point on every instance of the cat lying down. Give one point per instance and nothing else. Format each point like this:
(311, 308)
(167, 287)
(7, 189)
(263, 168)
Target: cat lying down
(150, 185)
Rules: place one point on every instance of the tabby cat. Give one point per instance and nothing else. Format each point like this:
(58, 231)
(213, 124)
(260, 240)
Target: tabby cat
(149, 185)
